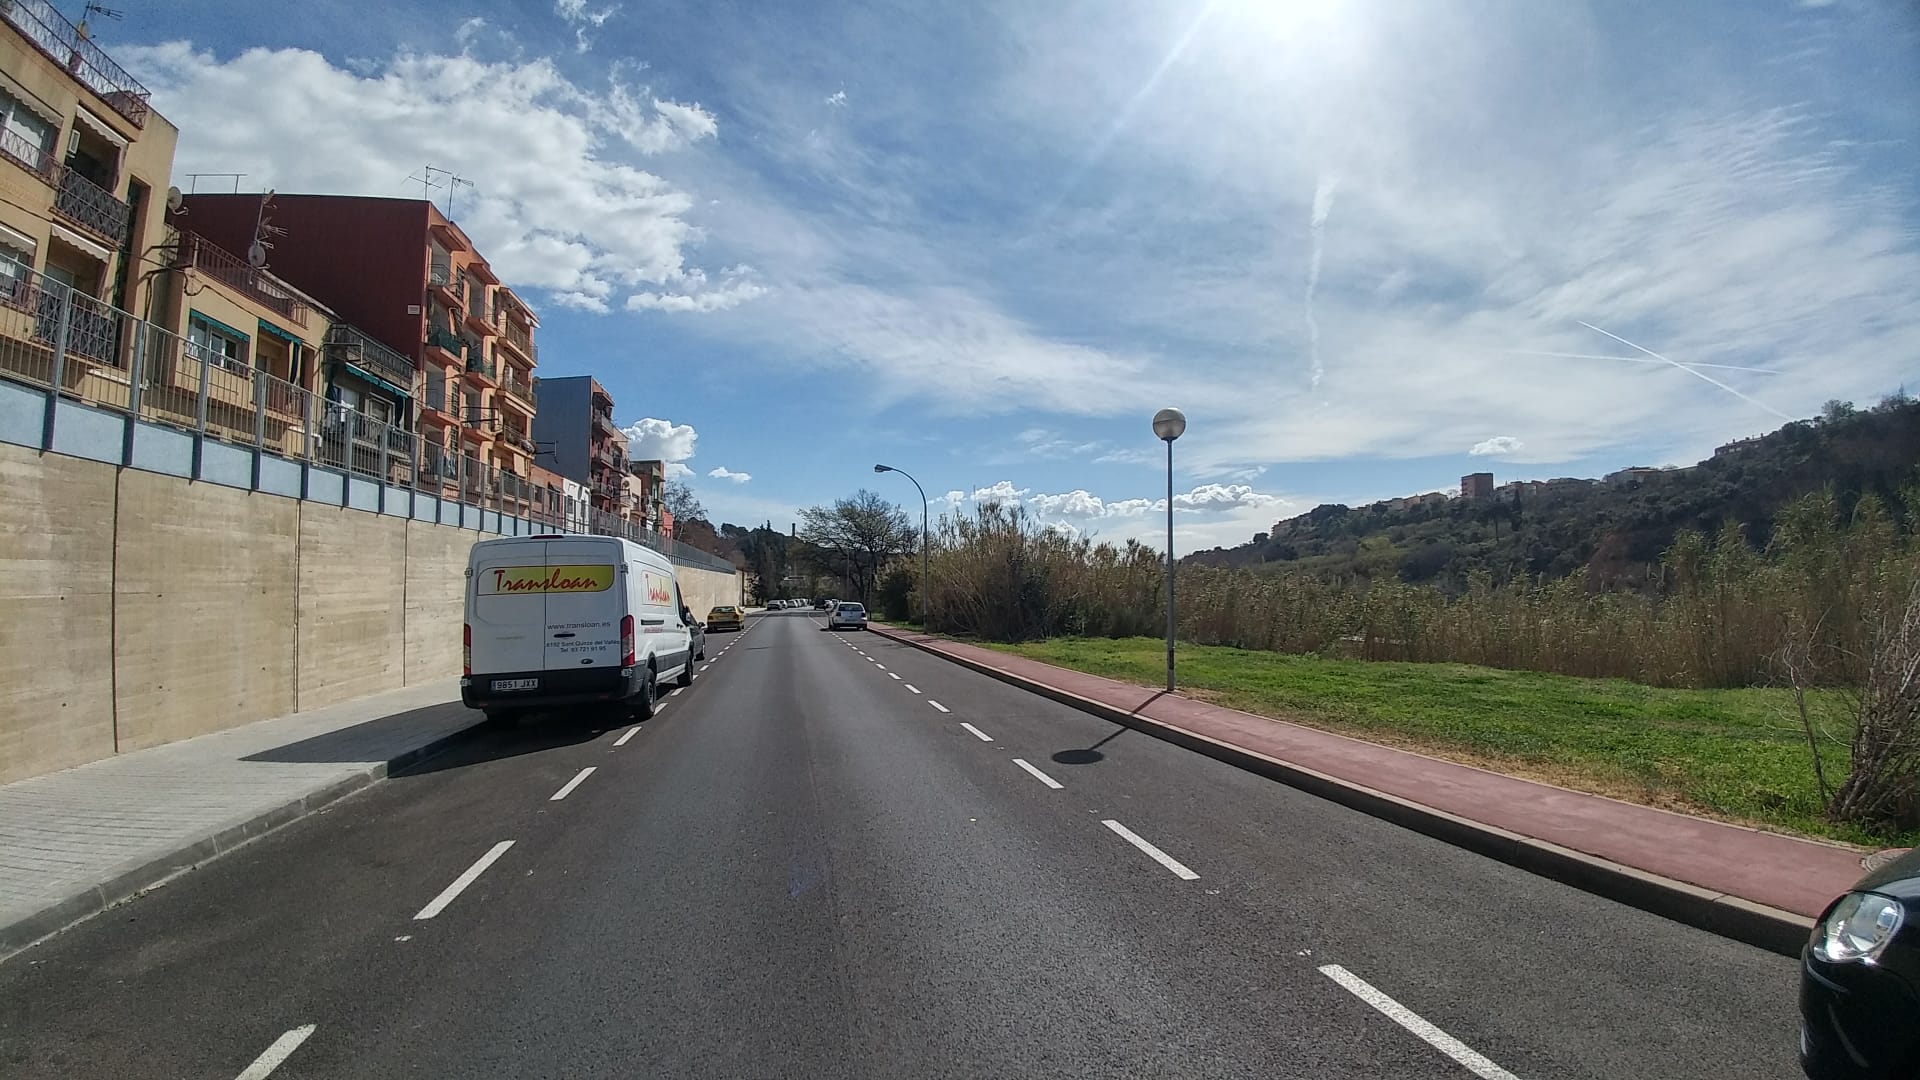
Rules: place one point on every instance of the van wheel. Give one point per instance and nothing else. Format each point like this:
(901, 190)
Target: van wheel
(643, 701)
(685, 678)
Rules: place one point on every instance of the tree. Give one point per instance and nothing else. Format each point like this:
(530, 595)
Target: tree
(681, 502)
(854, 538)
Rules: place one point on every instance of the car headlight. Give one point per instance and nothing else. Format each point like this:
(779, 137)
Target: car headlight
(1858, 928)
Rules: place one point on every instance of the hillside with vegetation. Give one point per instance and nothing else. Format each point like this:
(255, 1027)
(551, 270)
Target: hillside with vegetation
(1615, 528)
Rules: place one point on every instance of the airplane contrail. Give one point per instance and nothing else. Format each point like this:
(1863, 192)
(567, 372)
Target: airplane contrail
(1641, 360)
(1701, 375)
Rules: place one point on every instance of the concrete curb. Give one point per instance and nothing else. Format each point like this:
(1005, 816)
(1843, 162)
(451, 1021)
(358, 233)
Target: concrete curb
(133, 878)
(1729, 916)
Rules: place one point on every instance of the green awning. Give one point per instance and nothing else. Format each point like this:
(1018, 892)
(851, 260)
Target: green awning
(222, 327)
(271, 330)
(378, 381)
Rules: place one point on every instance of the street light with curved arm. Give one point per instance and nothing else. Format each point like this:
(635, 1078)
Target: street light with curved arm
(924, 537)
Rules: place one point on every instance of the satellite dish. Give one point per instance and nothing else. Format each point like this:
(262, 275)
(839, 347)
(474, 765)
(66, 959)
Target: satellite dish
(174, 199)
(257, 255)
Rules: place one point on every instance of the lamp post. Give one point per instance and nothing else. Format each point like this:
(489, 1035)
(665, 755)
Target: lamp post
(924, 538)
(1168, 425)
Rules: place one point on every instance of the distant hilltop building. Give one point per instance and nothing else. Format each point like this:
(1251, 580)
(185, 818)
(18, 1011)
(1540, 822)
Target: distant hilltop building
(1636, 472)
(1476, 485)
(1737, 444)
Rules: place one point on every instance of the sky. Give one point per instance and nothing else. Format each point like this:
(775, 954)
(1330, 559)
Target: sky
(1366, 247)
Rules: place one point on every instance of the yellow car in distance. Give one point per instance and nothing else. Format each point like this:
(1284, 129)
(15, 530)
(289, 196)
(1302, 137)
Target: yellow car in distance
(725, 617)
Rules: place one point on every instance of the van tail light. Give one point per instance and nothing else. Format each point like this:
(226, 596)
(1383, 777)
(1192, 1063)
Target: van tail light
(466, 648)
(626, 641)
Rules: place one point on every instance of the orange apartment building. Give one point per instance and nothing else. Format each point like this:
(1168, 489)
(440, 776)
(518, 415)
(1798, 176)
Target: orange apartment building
(410, 280)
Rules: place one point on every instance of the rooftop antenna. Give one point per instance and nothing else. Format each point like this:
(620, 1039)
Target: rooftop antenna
(262, 229)
(94, 7)
(193, 180)
(426, 181)
(455, 183)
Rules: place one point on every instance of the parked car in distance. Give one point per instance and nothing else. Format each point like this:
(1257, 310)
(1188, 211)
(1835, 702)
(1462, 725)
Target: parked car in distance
(554, 620)
(822, 605)
(725, 617)
(848, 616)
(1860, 980)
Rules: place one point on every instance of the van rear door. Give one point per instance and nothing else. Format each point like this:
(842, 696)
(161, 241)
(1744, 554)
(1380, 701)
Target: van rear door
(509, 618)
(586, 595)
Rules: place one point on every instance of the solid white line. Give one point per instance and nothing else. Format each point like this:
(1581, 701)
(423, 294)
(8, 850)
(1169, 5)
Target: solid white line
(622, 740)
(460, 883)
(1157, 855)
(1407, 1018)
(937, 705)
(891, 675)
(571, 784)
(913, 688)
(977, 733)
(272, 1056)
(1037, 774)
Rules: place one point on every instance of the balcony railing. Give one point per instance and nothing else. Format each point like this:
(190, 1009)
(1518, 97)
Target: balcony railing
(482, 367)
(347, 344)
(436, 397)
(516, 384)
(92, 207)
(439, 273)
(23, 152)
(445, 339)
(198, 253)
(39, 22)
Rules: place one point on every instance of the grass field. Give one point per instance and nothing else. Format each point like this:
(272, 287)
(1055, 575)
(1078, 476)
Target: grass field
(1734, 754)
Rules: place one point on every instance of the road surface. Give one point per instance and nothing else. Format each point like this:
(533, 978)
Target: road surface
(835, 856)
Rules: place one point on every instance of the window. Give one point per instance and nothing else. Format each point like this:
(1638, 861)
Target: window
(218, 345)
(24, 136)
(16, 272)
(378, 408)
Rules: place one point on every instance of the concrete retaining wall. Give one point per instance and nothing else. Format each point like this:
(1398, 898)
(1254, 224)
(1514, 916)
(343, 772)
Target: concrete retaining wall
(138, 608)
(56, 612)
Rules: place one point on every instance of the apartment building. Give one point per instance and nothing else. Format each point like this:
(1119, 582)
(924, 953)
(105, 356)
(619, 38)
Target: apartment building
(1476, 485)
(642, 499)
(84, 167)
(579, 440)
(412, 281)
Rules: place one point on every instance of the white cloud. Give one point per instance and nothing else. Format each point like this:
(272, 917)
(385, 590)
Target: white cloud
(735, 286)
(721, 472)
(1498, 445)
(837, 98)
(576, 14)
(568, 211)
(1001, 492)
(652, 439)
(1221, 497)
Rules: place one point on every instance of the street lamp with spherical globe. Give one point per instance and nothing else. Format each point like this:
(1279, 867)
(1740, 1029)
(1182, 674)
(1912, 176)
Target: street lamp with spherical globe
(1168, 425)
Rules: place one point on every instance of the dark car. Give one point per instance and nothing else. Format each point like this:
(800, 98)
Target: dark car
(822, 604)
(1860, 980)
(697, 631)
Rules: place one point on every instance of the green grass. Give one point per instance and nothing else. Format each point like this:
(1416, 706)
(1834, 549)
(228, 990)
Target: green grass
(1735, 754)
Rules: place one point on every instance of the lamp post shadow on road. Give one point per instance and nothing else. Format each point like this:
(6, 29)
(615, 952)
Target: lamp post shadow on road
(924, 537)
(1168, 425)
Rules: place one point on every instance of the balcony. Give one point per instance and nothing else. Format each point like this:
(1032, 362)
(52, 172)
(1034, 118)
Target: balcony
(515, 382)
(347, 345)
(66, 46)
(440, 278)
(439, 406)
(519, 337)
(23, 152)
(480, 313)
(92, 207)
(197, 253)
(482, 373)
(447, 342)
(604, 422)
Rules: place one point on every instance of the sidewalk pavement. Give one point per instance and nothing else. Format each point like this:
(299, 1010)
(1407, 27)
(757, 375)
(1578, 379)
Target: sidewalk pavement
(77, 841)
(1760, 887)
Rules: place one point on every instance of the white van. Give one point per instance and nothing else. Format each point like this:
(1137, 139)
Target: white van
(571, 620)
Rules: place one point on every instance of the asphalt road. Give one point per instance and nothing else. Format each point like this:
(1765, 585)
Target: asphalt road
(827, 860)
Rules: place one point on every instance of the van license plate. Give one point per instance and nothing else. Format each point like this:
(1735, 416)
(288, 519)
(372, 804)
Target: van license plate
(516, 684)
